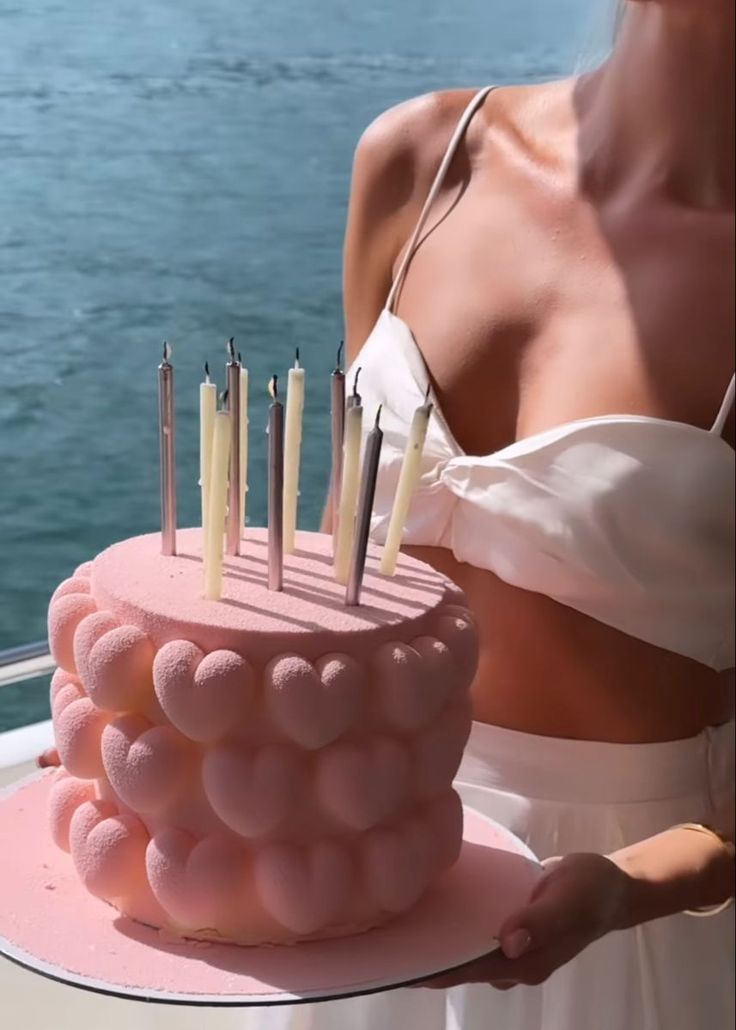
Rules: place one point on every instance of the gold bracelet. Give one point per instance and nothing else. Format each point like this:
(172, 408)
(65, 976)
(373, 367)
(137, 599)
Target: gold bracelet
(710, 910)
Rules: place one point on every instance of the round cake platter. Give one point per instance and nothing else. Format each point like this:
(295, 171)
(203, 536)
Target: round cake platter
(51, 925)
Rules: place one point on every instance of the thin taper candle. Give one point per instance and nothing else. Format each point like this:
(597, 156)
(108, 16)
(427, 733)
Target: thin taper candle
(292, 451)
(207, 410)
(275, 490)
(337, 392)
(243, 442)
(371, 460)
(408, 479)
(234, 492)
(218, 488)
(349, 491)
(355, 400)
(167, 447)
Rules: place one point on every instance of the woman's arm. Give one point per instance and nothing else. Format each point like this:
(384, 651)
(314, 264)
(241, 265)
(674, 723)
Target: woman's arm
(394, 165)
(676, 870)
(395, 162)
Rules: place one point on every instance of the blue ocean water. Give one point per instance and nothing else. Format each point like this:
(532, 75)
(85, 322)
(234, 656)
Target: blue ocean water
(177, 170)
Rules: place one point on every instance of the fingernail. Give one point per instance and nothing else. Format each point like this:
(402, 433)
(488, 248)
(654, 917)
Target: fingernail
(516, 943)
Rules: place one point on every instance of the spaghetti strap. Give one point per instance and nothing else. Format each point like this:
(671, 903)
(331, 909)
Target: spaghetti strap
(725, 408)
(457, 136)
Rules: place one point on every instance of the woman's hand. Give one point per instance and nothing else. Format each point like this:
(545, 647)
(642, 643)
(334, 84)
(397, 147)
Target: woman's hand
(578, 899)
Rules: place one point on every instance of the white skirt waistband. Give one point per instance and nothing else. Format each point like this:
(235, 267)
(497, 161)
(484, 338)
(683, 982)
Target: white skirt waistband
(550, 768)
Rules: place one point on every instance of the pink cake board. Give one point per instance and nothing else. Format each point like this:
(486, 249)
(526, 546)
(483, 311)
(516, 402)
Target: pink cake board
(51, 925)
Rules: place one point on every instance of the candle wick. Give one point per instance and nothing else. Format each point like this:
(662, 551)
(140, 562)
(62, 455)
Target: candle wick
(426, 395)
(240, 358)
(231, 348)
(355, 382)
(296, 359)
(224, 399)
(273, 387)
(207, 371)
(338, 363)
(378, 416)
(167, 353)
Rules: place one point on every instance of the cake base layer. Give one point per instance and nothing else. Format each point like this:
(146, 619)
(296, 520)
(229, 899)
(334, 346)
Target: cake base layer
(50, 924)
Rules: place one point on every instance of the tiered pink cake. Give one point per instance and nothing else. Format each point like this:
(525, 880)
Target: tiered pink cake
(265, 768)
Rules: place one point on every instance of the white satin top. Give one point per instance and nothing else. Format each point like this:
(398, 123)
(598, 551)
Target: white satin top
(626, 518)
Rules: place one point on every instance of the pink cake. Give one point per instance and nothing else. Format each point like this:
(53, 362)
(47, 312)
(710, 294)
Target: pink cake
(265, 768)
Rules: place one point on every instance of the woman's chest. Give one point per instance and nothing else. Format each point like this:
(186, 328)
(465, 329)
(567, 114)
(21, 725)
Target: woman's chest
(529, 319)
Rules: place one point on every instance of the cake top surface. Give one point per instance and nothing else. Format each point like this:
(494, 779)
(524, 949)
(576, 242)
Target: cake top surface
(134, 575)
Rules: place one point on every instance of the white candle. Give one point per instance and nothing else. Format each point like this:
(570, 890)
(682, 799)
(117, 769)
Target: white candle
(207, 409)
(275, 489)
(349, 491)
(337, 393)
(214, 544)
(243, 440)
(408, 479)
(292, 451)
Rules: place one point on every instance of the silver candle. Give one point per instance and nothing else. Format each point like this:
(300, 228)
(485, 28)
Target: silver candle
(235, 494)
(168, 454)
(372, 456)
(275, 490)
(337, 383)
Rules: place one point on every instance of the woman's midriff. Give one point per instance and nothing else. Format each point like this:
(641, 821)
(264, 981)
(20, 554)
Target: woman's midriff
(549, 670)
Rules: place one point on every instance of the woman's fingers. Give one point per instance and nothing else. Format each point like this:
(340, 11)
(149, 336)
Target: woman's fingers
(48, 758)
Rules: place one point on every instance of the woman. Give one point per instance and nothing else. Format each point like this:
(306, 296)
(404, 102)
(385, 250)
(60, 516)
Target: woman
(573, 261)
(567, 277)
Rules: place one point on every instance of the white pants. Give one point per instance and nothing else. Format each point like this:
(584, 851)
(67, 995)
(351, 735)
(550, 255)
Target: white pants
(562, 796)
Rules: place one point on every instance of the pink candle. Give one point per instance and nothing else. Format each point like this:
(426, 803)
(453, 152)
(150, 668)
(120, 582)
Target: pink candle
(167, 452)
(234, 490)
(367, 494)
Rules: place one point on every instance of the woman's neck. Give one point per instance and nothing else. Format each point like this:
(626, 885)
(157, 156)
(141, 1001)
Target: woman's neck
(659, 115)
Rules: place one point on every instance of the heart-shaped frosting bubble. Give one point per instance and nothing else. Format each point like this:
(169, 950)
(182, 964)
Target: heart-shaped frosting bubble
(456, 627)
(439, 749)
(66, 795)
(65, 614)
(76, 584)
(117, 667)
(204, 695)
(253, 791)
(444, 819)
(78, 728)
(313, 704)
(394, 864)
(361, 784)
(304, 888)
(148, 766)
(109, 850)
(59, 681)
(413, 681)
(65, 688)
(86, 635)
(197, 882)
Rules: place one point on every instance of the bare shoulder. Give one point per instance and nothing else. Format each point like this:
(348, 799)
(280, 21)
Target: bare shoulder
(398, 154)
(395, 163)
